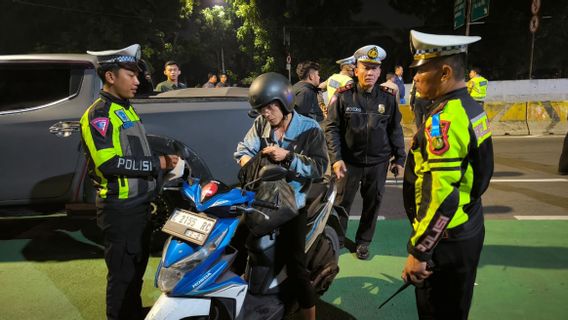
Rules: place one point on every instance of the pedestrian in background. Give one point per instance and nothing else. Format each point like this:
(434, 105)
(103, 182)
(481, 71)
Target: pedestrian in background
(172, 72)
(398, 71)
(124, 171)
(211, 80)
(306, 90)
(222, 81)
(363, 133)
(477, 86)
(449, 166)
(390, 83)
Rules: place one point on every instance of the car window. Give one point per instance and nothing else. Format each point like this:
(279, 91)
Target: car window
(31, 84)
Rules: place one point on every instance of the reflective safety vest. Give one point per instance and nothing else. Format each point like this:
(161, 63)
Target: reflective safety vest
(121, 163)
(336, 81)
(448, 168)
(477, 88)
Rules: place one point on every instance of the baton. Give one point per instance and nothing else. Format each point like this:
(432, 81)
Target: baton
(404, 286)
(429, 266)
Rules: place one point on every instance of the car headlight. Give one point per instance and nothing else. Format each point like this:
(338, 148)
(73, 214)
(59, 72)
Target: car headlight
(168, 278)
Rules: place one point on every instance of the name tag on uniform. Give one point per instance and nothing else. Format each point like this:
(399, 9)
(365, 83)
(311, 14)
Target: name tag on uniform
(352, 109)
(122, 115)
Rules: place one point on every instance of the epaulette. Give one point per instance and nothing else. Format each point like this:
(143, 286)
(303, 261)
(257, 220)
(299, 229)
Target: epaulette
(344, 88)
(387, 90)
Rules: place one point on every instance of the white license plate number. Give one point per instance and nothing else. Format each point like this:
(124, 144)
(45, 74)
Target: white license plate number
(190, 226)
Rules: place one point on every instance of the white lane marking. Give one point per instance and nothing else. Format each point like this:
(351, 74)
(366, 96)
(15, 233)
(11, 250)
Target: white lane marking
(530, 180)
(359, 218)
(399, 181)
(541, 217)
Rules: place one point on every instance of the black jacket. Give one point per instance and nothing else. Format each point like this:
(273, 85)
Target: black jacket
(363, 128)
(306, 100)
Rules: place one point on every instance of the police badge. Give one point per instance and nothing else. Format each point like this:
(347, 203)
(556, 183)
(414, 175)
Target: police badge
(381, 108)
(373, 53)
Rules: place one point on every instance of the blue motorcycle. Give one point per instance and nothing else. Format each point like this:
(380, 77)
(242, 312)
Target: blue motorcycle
(195, 273)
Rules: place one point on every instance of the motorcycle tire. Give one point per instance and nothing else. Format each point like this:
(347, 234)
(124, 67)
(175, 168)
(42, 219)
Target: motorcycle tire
(323, 260)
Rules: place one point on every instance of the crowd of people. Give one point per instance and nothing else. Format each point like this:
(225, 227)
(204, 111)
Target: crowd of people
(356, 134)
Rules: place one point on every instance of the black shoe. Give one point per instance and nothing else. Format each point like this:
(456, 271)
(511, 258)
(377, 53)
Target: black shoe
(362, 251)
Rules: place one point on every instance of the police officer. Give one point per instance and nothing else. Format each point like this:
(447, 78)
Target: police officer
(341, 79)
(363, 133)
(477, 86)
(123, 170)
(449, 166)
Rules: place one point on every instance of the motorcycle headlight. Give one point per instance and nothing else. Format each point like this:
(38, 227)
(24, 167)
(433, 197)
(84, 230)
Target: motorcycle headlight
(168, 278)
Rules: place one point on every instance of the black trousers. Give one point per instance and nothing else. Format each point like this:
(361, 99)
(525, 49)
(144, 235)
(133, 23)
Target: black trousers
(563, 162)
(372, 181)
(447, 293)
(290, 246)
(126, 236)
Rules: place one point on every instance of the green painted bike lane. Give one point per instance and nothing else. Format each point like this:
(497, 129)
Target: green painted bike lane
(523, 274)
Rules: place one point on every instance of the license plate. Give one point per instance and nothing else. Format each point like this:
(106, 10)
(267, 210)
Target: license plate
(190, 226)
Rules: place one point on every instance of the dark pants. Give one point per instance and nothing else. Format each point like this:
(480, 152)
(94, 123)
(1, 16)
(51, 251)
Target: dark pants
(291, 245)
(447, 293)
(372, 181)
(563, 162)
(127, 240)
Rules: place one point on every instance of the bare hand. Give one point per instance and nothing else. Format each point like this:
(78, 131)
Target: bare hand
(396, 169)
(275, 153)
(168, 161)
(339, 168)
(415, 270)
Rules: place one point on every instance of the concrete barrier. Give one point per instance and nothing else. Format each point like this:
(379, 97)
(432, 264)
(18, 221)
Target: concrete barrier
(513, 118)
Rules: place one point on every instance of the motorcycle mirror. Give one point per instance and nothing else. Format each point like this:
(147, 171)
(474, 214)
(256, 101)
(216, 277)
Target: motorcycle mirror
(272, 172)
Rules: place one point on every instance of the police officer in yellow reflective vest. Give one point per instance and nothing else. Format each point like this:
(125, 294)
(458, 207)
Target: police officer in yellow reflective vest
(124, 171)
(448, 168)
(477, 85)
(341, 79)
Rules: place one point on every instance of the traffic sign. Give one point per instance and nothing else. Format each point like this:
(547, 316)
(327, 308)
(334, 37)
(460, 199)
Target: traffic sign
(459, 13)
(479, 9)
(288, 66)
(288, 59)
(533, 24)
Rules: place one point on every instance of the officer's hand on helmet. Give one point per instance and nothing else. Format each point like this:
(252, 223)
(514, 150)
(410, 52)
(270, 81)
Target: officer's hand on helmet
(168, 161)
(275, 153)
(339, 168)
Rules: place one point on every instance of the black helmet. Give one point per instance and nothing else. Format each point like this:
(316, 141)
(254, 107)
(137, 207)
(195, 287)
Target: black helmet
(269, 87)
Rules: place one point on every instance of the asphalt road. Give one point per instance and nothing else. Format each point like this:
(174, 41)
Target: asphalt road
(525, 182)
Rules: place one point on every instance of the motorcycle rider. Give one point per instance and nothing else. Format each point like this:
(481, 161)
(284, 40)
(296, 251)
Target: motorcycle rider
(297, 143)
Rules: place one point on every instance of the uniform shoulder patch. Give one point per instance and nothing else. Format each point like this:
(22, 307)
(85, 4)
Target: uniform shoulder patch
(344, 88)
(387, 90)
(101, 125)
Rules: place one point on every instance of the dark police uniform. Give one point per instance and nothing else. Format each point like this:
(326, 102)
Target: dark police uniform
(363, 129)
(123, 169)
(449, 166)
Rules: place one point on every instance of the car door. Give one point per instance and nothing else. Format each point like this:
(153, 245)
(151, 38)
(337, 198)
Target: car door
(40, 105)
